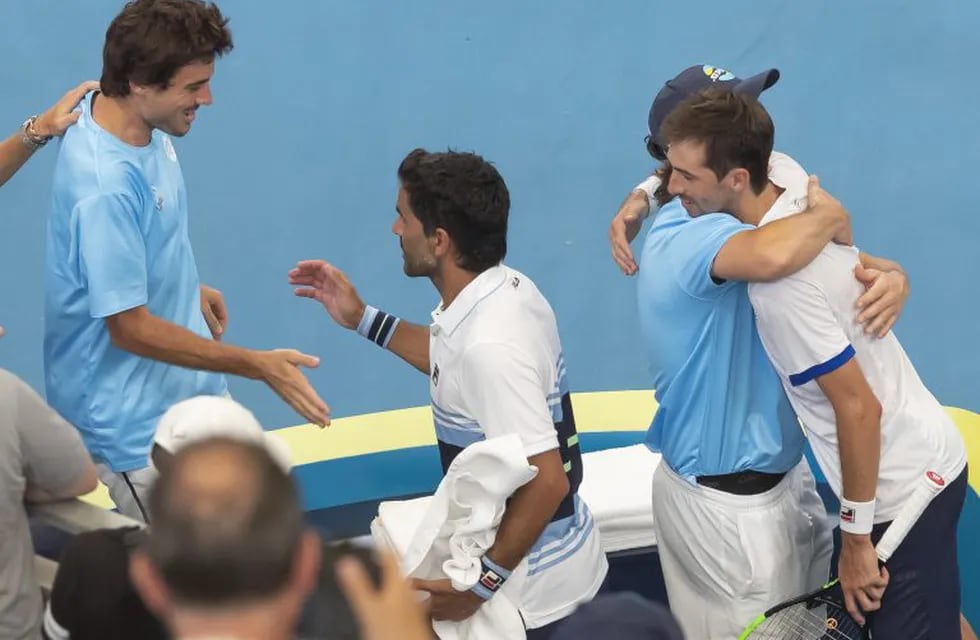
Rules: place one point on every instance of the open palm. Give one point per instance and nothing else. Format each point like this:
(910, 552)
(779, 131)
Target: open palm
(321, 281)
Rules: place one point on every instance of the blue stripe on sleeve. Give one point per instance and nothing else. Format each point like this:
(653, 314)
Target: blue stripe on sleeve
(823, 368)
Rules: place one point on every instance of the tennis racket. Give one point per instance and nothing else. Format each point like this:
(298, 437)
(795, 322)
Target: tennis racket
(821, 615)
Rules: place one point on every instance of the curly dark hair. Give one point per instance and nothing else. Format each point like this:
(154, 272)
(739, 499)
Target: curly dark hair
(150, 40)
(466, 196)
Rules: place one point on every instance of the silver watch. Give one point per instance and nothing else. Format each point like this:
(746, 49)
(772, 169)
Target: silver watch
(30, 139)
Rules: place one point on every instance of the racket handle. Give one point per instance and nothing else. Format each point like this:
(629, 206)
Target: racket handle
(930, 485)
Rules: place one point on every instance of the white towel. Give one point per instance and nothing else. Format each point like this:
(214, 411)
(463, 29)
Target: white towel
(617, 484)
(457, 526)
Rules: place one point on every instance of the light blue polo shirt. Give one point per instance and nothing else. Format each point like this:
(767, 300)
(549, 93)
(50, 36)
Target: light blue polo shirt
(117, 238)
(722, 406)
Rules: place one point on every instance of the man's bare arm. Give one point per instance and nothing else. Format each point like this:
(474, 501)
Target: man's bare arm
(144, 334)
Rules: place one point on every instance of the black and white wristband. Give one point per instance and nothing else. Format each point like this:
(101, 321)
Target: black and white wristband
(377, 326)
(492, 577)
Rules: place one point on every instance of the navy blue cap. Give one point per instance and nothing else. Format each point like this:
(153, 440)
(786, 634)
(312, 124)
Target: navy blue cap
(697, 78)
(622, 615)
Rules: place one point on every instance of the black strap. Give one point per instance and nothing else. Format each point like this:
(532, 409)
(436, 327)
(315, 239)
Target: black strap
(742, 483)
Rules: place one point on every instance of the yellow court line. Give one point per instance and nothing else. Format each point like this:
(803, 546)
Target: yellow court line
(599, 411)
(595, 412)
(403, 428)
(969, 424)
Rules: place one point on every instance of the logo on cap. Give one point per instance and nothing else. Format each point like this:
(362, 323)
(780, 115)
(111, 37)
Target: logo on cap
(717, 73)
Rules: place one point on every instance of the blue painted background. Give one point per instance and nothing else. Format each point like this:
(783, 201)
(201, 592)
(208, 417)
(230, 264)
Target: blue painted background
(320, 101)
(315, 108)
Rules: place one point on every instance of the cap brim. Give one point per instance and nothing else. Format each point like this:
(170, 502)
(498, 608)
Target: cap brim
(758, 83)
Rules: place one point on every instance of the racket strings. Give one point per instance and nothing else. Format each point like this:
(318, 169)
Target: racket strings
(802, 623)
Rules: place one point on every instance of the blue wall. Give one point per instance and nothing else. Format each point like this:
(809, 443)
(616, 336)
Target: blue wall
(314, 109)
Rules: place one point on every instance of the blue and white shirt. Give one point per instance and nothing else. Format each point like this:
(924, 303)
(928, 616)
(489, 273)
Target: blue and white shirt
(496, 369)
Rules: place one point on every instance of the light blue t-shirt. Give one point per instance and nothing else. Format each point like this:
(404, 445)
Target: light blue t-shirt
(722, 407)
(117, 238)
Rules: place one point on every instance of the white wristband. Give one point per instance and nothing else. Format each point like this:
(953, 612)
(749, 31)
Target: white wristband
(649, 187)
(857, 517)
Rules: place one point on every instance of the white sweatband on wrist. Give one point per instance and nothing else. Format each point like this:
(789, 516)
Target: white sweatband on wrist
(857, 517)
(377, 326)
(649, 187)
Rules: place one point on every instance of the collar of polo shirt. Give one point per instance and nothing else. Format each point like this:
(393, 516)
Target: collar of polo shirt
(446, 320)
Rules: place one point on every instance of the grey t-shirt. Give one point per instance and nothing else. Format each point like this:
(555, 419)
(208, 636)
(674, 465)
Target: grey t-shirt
(37, 449)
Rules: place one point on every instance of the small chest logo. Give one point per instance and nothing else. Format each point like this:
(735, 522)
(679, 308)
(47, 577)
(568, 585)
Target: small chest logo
(157, 199)
(435, 375)
(515, 282)
(936, 479)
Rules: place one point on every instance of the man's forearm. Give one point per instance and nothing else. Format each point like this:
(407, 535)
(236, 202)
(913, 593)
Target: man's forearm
(410, 342)
(13, 154)
(859, 440)
(529, 511)
(152, 337)
(793, 242)
(523, 523)
(779, 248)
(637, 203)
(858, 414)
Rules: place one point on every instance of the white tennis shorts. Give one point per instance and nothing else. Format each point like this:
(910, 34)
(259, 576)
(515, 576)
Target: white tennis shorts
(727, 558)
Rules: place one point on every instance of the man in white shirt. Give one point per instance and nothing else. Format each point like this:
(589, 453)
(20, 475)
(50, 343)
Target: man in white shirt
(495, 366)
(875, 429)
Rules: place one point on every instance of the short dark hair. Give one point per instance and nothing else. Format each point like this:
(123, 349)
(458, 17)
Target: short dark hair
(466, 196)
(735, 128)
(150, 40)
(211, 549)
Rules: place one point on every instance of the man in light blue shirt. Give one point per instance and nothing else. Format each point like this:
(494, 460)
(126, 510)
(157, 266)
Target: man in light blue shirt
(698, 330)
(739, 523)
(130, 330)
(120, 219)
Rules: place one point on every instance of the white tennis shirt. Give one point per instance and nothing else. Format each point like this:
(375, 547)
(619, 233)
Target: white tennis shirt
(497, 369)
(808, 325)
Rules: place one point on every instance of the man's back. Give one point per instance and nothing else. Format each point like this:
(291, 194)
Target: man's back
(721, 406)
(37, 450)
(808, 325)
(117, 239)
